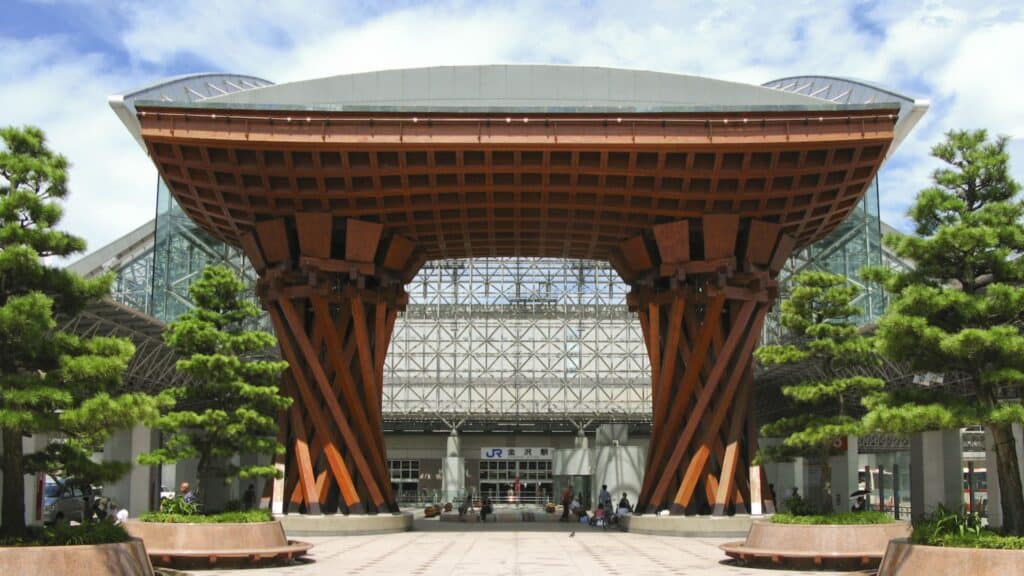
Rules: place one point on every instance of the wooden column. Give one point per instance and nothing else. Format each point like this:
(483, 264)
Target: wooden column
(333, 290)
(702, 288)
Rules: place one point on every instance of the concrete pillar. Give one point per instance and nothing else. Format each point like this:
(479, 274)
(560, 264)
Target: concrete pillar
(119, 447)
(783, 477)
(141, 477)
(936, 471)
(581, 440)
(844, 475)
(453, 469)
(138, 489)
(994, 506)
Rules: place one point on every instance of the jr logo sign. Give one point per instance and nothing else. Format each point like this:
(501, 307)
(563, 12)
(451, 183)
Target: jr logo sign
(515, 453)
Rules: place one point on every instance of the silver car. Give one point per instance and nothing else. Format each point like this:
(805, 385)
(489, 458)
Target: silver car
(65, 500)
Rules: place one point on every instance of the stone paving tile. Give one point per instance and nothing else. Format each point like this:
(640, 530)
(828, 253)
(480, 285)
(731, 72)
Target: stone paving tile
(433, 549)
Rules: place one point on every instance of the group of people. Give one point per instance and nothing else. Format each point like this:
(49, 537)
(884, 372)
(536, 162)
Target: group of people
(602, 515)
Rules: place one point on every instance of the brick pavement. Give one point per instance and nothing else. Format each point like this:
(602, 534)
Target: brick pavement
(521, 549)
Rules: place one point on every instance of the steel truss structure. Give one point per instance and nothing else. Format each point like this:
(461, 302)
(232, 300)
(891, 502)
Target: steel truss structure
(502, 343)
(510, 341)
(153, 367)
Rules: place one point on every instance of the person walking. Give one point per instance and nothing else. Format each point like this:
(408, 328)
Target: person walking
(566, 502)
(249, 498)
(604, 497)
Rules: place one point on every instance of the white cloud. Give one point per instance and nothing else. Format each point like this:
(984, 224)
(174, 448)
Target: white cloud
(112, 183)
(960, 56)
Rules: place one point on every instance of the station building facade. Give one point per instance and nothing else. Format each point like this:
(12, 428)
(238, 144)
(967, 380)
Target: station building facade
(511, 376)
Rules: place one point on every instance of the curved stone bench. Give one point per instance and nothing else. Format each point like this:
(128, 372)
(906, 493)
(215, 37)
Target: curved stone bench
(905, 559)
(339, 524)
(832, 544)
(120, 559)
(251, 543)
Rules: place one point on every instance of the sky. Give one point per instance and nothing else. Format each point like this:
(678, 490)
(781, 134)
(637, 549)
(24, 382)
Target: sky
(61, 60)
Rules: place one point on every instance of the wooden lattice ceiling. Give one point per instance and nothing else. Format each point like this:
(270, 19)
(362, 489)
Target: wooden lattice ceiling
(570, 186)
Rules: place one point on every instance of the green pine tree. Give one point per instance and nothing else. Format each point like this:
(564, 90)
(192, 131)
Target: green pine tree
(961, 309)
(818, 315)
(231, 407)
(51, 382)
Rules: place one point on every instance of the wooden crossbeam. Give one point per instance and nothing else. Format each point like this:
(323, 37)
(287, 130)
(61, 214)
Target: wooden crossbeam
(312, 405)
(335, 355)
(694, 419)
(668, 359)
(727, 482)
(307, 481)
(340, 420)
(661, 440)
(696, 464)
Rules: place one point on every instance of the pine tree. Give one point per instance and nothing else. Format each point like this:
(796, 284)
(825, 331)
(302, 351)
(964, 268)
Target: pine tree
(231, 406)
(818, 315)
(960, 309)
(51, 382)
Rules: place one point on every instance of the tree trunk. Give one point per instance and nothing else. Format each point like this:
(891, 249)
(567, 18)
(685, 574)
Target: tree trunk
(1011, 494)
(14, 483)
(826, 486)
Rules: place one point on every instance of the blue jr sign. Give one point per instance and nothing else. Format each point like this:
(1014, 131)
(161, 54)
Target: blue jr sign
(516, 453)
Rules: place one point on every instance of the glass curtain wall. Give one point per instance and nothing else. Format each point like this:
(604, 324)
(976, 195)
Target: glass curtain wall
(856, 243)
(181, 251)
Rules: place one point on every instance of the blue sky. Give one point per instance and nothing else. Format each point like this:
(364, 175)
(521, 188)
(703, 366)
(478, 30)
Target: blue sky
(59, 61)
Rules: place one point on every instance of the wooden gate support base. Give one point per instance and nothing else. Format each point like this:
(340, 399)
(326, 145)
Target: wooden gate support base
(333, 290)
(702, 288)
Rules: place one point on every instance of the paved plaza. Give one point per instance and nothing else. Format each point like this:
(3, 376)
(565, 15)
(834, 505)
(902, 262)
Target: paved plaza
(521, 549)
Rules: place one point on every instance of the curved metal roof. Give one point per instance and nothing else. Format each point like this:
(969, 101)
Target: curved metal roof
(186, 88)
(516, 87)
(840, 90)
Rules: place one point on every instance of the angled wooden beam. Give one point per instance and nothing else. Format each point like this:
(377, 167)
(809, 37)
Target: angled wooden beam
(312, 405)
(306, 478)
(252, 250)
(682, 443)
(273, 239)
(340, 420)
(686, 487)
(314, 230)
(658, 472)
(335, 356)
(727, 482)
(668, 359)
(364, 350)
(673, 241)
(361, 240)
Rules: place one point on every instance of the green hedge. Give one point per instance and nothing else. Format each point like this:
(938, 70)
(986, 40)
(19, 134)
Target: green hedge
(984, 539)
(244, 517)
(844, 518)
(62, 534)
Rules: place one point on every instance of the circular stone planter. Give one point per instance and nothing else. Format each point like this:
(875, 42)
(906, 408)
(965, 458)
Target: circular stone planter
(905, 559)
(833, 545)
(119, 559)
(212, 544)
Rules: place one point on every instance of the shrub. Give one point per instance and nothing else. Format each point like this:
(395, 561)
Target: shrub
(179, 507)
(243, 517)
(844, 518)
(960, 529)
(104, 532)
(797, 506)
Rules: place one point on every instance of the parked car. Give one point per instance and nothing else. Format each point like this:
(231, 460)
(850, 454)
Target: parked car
(65, 500)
